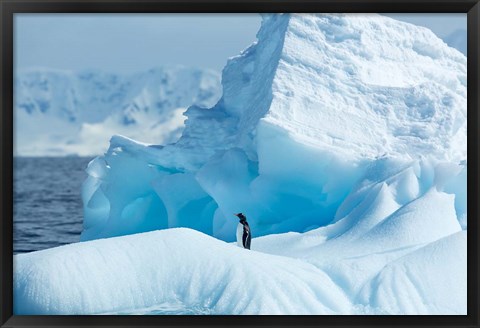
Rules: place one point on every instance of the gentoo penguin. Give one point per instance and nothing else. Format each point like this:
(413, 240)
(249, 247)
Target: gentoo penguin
(244, 235)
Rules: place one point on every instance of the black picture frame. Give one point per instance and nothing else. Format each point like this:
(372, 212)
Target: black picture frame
(11, 7)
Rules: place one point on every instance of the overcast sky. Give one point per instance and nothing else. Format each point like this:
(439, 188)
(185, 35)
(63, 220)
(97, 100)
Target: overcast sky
(126, 43)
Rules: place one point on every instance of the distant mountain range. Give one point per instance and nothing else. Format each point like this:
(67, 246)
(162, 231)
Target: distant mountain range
(60, 113)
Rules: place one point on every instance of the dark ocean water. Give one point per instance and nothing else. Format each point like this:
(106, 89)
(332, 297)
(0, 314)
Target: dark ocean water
(47, 204)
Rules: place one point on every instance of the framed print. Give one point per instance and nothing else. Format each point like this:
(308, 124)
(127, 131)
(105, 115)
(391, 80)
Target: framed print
(259, 163)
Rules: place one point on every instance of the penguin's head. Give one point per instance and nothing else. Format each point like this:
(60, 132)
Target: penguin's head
(241, 216)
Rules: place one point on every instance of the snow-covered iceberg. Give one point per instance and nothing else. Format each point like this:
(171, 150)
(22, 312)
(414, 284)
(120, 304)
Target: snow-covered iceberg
(306, 112)
(343, 140)
(182, 271)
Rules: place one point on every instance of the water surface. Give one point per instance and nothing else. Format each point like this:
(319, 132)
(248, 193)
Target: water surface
(47, 204)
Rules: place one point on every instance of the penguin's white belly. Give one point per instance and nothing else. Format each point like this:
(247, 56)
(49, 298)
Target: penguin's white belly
(240, 235)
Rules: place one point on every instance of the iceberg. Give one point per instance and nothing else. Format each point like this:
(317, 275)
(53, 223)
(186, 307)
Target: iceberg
(136, 271)
(306, 112)
(343, 140)
(183, 271)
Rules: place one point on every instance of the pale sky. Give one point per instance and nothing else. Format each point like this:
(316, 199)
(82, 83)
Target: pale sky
(127, 43)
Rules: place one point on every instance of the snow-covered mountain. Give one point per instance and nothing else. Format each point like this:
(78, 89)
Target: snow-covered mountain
(67, 113)
(343, 140)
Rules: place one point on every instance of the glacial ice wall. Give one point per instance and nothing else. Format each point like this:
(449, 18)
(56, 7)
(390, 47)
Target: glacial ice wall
(313, 112)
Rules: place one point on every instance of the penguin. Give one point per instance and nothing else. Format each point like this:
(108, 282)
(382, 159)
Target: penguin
(244, 234)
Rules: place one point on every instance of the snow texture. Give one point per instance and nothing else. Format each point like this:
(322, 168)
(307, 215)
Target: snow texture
(343, 140)
(60, 113)
(182, 271)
